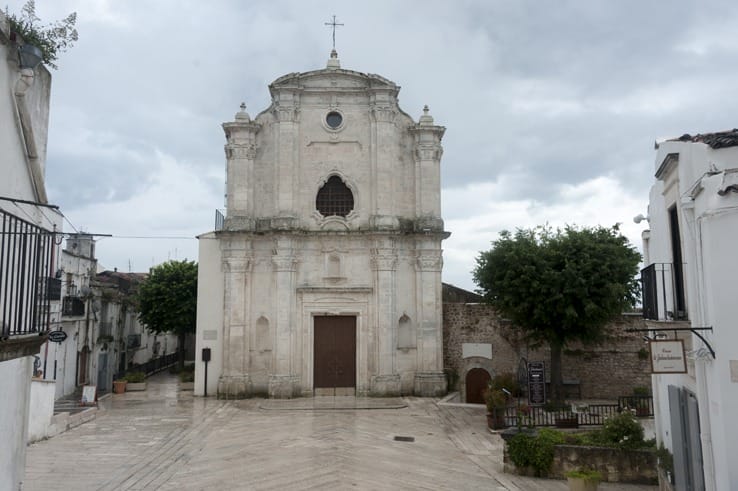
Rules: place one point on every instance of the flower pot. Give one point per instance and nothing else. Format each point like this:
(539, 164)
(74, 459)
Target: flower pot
(582, 484)
(119, 386)
(496, 419)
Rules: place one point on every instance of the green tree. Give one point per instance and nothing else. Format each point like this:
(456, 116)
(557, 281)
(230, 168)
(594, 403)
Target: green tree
(560, 286)
(167, 300)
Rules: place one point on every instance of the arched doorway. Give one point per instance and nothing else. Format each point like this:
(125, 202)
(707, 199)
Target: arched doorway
(477, 379)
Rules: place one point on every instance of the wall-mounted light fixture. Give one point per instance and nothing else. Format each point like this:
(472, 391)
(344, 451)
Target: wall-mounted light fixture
(639, 218)
(29, 56)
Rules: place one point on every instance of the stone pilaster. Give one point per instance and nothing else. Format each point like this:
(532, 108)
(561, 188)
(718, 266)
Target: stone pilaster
(427, 155)
(235, 381)
(383, 112)
(240, 152)
(284, 382)
(286, 112)
(429, 378)
(384, 265)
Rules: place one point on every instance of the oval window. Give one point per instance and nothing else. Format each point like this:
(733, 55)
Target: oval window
(334, 119)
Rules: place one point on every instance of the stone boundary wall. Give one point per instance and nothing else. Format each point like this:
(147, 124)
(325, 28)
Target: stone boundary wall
(604, 372)
(627, 466)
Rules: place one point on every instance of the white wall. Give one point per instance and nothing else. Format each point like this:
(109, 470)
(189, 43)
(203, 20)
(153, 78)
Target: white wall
(15, 390)
(209, 314)
(709, 236)
(41, 409)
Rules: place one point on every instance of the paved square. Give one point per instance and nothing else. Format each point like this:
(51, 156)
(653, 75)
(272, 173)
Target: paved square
(166, 439)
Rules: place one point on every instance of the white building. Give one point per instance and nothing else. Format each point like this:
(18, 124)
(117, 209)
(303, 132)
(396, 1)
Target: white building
(691, 251)
(326, 275)
(27, 251)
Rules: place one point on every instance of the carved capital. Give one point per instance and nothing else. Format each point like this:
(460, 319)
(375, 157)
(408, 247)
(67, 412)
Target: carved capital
(286, 114)
(284, 262)
(428, 152)
(237, 264)
(429, 262)
(383, 260)
(240, 151)
(383, 114)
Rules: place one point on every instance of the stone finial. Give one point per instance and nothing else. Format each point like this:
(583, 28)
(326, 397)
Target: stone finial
(426, 119)
(242, 115)
(333, 61)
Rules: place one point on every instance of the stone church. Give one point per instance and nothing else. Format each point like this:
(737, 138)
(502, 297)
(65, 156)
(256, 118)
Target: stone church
(324, 277)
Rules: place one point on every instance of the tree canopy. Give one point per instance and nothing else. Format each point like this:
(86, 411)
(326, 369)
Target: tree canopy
(560, 286)
(168, 299)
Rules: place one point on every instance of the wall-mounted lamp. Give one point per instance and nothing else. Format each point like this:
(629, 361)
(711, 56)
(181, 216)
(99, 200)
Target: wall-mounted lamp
(29, 56)
(639, 218)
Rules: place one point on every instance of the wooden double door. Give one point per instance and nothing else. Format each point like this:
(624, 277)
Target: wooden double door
(334, 355)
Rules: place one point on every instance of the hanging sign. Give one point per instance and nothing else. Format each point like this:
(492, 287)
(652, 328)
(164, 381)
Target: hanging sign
(57, 336)
(668, 356)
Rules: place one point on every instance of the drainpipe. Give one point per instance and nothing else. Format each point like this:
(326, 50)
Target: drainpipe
(701, 362)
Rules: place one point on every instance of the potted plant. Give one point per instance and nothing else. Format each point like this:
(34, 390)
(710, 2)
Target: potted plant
(136, 381)
(583, 480)
(496, 402)
(44, 43)
(119, 386)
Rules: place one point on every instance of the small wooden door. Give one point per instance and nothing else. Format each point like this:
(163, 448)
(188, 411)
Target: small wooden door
(334, 350)
(477, 379)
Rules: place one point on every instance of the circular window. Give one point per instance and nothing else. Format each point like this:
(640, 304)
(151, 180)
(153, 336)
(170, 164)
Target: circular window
(334, 120)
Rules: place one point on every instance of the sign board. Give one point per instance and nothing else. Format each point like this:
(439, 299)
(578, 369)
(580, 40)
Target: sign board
(89, 396)
(210, 335)
(668, 356)
(536, 383)
(57, 336)
(483, 350)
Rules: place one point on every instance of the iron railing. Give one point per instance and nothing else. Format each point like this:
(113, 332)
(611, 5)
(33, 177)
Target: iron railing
(219, 220)
(73, 306)
(663, 292)
(584, 415)
(152, 366)
(26, 254)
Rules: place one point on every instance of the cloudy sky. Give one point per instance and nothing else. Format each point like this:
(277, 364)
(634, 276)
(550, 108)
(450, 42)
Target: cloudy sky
(551, 108)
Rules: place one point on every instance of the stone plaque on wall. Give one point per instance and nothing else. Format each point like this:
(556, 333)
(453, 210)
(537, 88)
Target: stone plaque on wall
(734, 371)
(210, 335)
(469, 350)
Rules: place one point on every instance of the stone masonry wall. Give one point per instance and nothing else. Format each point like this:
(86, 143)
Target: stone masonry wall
(604, 372)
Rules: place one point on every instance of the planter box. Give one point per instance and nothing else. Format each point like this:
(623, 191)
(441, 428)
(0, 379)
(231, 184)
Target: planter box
(187, 386)
(135, 386)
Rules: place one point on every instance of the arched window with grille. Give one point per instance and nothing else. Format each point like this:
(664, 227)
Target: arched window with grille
(334, 198)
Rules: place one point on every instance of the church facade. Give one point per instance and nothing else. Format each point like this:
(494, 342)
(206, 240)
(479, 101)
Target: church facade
(324, 277)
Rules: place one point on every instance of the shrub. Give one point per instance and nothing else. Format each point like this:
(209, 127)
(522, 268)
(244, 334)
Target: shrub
(535, 451)
(51, 39)
(135, 377)
(507, 380)
(621, 431)
(494, 399)
(586, 474)
(187, 376)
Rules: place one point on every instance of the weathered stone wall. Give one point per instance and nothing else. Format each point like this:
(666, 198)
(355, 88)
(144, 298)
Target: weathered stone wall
(604, 372)
(628, 466)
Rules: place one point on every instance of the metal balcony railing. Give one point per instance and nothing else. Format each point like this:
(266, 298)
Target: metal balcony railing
(73, 306)
(219, 220)
(663, 293)
(26, 251)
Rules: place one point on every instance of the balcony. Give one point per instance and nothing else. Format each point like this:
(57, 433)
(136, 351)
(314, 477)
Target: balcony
(73, 306)
(663, 292)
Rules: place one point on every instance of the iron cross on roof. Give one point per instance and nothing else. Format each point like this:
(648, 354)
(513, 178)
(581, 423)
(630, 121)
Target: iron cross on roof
(333, 24)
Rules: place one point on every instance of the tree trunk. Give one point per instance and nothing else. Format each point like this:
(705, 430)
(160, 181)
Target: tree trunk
(557, 393)
(181, 348)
